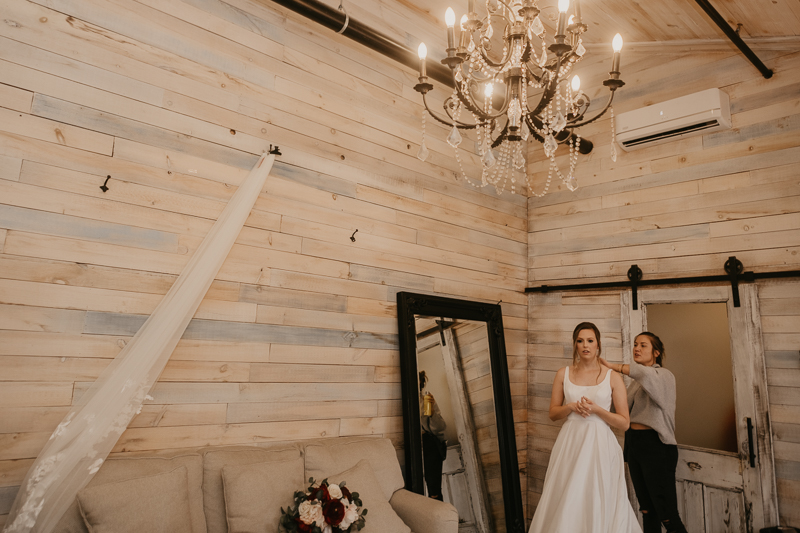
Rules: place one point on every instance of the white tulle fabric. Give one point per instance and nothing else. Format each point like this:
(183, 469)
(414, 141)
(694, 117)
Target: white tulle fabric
(88, 433)
(584, 487)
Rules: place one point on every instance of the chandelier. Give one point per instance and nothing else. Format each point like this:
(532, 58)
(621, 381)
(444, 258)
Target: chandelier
(495, 91)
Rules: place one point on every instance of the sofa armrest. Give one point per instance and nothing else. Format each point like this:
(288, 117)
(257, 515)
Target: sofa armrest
(423, 514)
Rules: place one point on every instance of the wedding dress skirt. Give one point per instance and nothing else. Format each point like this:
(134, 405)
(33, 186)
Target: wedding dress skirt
(584, 487)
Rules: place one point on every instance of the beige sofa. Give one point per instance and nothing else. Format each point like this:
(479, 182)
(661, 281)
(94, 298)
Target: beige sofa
(241, 489)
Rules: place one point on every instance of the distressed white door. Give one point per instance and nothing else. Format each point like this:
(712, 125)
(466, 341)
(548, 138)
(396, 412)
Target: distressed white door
(456, 490)
(720, 492)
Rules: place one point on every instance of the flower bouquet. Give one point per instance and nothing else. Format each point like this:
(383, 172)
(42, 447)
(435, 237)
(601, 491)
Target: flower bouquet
(324, 508)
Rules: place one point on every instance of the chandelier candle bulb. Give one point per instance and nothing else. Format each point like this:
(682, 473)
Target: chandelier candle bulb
(422, 52)
(464, 36)
(578, 11)
(563, 5)
(450, 20)
(616, 44)
(573, 36)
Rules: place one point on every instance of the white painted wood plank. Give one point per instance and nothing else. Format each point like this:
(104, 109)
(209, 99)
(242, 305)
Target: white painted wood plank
(10, 168)
(68, 68)
(117, 126)
(54, 131)
(34, 221)
(122, 324)
(15, 98)
(191, 393)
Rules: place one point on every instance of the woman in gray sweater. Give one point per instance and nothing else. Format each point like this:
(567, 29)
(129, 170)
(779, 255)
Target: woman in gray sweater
(651, 450)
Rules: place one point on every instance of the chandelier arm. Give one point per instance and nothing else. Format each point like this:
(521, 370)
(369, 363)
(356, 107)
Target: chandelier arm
(561, 137)
(470, 105)
(532, 73)
(453, 122)
(491, 62)
(500, 136)
(532, 130)
(502, 13)
(547, 96)
(550, 90)
(600, 114)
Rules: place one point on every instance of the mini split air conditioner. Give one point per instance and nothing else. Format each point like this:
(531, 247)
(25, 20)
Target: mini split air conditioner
(695, 114)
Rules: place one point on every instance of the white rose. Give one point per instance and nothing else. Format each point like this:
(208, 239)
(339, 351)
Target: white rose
(327, 528)
(334, 491)
(311, 512)
(350, 516)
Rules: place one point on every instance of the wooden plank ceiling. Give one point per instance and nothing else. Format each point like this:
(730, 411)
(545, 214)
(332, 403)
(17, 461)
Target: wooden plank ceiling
(649, 22)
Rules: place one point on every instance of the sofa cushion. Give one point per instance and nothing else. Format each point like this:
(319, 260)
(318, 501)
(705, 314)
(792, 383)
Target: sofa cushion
(380, 518)
(255, 493)
(327, 457)
(214, 459)
(157, 504)
(130, 467)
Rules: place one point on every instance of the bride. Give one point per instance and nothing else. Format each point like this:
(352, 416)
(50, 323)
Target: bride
(584, 488)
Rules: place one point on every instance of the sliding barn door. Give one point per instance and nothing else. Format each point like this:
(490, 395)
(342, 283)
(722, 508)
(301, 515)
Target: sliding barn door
(721, 488)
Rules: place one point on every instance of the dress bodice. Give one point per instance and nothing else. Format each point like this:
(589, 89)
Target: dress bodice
(599, 394)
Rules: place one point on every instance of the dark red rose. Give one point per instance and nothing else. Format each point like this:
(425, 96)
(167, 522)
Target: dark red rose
(345, 493)
(302, 527)
(320, 493)
(333, 512)
(325, 496)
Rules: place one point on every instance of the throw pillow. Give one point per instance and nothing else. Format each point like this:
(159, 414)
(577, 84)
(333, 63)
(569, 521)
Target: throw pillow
(214, 459)
(137, 465)
(329, 456)
(255, 493)
(380, 518)
(156, 504)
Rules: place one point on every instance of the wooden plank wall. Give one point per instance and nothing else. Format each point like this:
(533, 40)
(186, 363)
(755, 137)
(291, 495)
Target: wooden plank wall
(174, 100)
(677, 209)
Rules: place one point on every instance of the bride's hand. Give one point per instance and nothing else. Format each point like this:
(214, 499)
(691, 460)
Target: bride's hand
(605, 363)
(587, 406)
(576, 407)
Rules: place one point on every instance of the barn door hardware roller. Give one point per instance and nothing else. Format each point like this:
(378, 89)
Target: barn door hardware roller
(635, 275)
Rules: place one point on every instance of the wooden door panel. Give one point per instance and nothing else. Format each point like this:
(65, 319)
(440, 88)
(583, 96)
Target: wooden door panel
(690, 505)
(709, 467)
(724, 511)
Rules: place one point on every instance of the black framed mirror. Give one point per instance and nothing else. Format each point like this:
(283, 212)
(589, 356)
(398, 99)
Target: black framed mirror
(455, 385)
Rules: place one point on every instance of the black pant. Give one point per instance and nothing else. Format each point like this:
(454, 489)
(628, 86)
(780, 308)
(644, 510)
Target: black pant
(432, 460)
(652, 467)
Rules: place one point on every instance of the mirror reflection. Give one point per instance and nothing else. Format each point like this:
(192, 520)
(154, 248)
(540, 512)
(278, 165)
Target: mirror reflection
(460, 452)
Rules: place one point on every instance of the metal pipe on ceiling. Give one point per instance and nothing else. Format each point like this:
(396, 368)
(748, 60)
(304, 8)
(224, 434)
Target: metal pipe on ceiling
(335, 20)
(720, 21)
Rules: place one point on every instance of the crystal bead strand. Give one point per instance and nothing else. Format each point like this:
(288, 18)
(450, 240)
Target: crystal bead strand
(613, 137)
(422, 154)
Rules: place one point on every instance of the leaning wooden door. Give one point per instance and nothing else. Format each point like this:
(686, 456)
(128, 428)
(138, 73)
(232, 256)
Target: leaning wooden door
(722, 491)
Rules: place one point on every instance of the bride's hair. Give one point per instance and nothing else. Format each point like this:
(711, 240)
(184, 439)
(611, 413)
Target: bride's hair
(580, 327)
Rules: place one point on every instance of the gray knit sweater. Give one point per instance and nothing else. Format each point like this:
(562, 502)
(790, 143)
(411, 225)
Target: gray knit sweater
(651, 399)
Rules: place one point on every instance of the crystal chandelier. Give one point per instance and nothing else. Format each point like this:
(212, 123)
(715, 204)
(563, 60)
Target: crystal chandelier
(495, 92)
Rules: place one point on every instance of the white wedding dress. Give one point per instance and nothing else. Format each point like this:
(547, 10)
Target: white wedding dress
(584, 488)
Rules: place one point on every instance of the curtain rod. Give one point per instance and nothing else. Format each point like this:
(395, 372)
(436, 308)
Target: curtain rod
(734, 273)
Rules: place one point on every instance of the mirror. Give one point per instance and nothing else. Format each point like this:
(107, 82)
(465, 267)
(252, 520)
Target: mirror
(457, 418)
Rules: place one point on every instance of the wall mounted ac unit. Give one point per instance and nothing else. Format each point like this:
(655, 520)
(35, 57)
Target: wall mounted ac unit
(694, 114)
